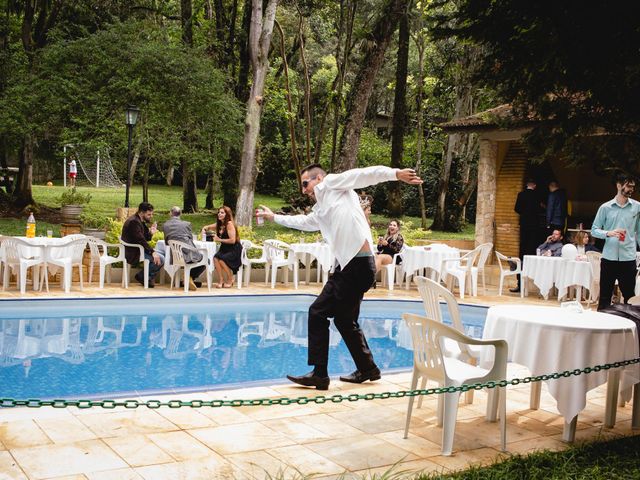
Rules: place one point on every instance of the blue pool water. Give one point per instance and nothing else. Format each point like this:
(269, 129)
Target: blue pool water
(117, 347)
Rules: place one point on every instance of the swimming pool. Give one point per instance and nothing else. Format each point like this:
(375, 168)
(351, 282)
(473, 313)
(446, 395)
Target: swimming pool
(103, 348)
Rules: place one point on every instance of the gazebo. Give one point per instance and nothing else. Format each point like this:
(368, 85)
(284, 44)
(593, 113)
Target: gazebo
(504, 165)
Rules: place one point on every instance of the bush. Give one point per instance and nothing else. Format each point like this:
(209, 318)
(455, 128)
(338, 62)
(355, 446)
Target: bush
(73, 197)
(94, 220)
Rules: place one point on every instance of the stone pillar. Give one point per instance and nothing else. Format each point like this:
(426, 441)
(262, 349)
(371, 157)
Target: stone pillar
(487, 178)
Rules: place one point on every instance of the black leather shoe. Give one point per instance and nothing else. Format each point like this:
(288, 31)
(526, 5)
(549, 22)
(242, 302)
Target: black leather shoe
(311, 380)
(359, 377)
(514, 290)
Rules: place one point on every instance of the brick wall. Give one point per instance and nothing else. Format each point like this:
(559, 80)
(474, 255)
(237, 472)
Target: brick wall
(509, 183)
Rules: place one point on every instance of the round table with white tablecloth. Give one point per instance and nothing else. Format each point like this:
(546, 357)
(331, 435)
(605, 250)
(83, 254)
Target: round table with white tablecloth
(322, 252)
(549, 271)
(555, 339)
(418, 258)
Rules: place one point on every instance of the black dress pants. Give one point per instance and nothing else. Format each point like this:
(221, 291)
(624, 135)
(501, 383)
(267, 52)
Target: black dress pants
(340, 299)
(529, 242)
(612, 270)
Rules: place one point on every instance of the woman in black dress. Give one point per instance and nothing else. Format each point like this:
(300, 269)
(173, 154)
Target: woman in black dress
(389, 245)
(228, 259)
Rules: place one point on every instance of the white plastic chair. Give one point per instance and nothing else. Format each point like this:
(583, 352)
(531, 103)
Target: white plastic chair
(73, 253)
(389, 273)
(280, 254)
(247, 262)
(15, 259)
(430, 361)
(485, 252)
(505, 272)
(126, 270)
(100, 255)
(176, 250)
(431, 293)
(594, 290)
(463, 270)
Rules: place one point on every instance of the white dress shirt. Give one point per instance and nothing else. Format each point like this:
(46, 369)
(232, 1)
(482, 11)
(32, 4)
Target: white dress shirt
(337, 212)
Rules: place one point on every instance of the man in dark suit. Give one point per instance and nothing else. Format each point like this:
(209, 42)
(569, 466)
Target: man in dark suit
(529, 208)
(177, 229)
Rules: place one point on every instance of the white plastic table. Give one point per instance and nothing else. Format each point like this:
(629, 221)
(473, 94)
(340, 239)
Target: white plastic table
(555, 339)
(418, 258)
(321, 252)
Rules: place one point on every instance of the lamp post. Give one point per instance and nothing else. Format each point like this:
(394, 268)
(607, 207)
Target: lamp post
(131, 117)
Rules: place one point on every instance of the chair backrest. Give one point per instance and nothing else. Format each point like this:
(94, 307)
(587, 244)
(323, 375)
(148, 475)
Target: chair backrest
(427, 350)
(431, 292)
(485, 251)
(177, 255)
(501, 258)
(94, 247)
(594, 260)
(76, 249)
(12, 248)
(246, 246)
(276, 249)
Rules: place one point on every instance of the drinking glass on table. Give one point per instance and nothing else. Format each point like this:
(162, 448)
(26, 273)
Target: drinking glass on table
(49, 233)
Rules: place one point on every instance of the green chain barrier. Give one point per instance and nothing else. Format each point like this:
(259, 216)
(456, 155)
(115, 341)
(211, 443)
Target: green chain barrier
(338, 398)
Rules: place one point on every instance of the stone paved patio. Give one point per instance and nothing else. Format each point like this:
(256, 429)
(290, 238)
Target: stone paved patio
(245, 443)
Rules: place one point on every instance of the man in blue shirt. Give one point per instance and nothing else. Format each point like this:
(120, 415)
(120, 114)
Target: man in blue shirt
(618, 222)
(556, 207)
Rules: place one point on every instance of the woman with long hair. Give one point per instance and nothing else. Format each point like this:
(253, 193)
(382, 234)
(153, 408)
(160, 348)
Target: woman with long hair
(389, 245)
(228, 259)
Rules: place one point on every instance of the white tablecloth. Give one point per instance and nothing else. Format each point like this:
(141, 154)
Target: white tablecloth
(417, 258)
(547, 271)
(554, 339)
(39, 246)
(320, 251)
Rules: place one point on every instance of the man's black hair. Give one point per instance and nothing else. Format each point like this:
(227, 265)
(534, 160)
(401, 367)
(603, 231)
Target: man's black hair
(624, 177)
(313, 166)
(145, 207)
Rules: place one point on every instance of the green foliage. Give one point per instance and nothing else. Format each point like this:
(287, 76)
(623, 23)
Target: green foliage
(94, 220)
(72, 196)
(572, 64)
(114, 231)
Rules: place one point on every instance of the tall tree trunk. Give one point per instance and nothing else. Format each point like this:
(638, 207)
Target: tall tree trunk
(259, 43)
(170, 173)
(394, 190)
(292, 129)
(341, 64)
(452, 150)
(145, 180)
(420, 44)
(189, 193)
(189, 188)
(231, 168)
(363, 84)
(307, 91)
(23, 193)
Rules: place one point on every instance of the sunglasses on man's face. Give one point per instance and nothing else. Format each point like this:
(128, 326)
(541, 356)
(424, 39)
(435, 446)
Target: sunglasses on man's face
(305, 183)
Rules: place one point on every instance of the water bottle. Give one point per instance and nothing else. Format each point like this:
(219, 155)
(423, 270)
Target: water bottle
(259, 219)
(31, 226)
(538, 252)
(203, 235)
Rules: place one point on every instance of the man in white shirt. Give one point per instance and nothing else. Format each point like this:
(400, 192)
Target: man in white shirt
(339, 216)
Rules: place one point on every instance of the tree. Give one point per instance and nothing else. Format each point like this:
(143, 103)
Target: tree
(358, 99)
(394, 199)
(259, 45)
(572, 66)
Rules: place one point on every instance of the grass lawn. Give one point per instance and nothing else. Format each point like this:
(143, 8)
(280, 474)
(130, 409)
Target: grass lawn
(105, 201)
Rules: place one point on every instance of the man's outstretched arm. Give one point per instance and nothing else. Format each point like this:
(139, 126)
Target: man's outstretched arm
(307, 223)
(365, 177)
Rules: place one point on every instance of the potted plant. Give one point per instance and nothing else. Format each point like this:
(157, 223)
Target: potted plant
(94, 224)
(72, 203)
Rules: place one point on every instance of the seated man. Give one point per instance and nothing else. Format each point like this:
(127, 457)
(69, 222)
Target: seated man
(552, 247)
(135, 230)
(177, 229)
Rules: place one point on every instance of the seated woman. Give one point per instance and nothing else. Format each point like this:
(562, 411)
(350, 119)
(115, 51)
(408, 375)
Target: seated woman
(582, 241)
(389, 245)
(228, 259)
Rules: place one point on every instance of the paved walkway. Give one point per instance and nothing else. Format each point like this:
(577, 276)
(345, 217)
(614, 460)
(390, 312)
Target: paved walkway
(250, 442)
